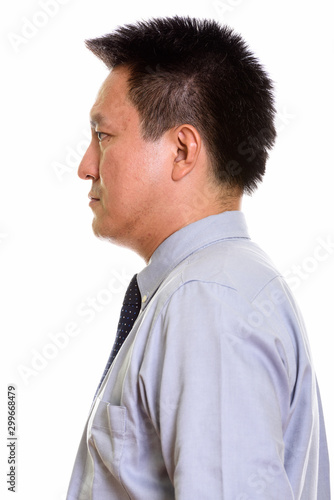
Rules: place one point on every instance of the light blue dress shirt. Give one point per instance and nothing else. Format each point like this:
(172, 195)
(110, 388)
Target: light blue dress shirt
(213, 395)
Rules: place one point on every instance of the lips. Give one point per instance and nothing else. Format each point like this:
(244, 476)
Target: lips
(93, 197)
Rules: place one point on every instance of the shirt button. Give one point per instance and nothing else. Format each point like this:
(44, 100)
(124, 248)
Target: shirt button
(144, 299)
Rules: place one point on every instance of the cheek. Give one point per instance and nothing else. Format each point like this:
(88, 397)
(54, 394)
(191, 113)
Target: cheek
(153, 168)
(111, 169)
(135, 167)
(120, 178)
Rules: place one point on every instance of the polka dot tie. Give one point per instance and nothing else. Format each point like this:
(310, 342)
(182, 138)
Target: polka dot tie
(129, 312)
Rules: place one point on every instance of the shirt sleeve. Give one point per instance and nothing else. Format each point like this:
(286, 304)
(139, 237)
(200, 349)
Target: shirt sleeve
(217, 389)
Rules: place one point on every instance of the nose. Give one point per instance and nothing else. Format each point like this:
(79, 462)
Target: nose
(89, 165)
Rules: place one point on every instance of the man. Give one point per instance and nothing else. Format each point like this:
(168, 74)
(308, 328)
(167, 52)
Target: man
(209, 392)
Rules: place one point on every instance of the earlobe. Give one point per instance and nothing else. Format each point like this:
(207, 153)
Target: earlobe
(188, 147)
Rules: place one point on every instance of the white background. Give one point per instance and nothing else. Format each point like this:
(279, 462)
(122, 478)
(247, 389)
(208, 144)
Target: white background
(52, 265)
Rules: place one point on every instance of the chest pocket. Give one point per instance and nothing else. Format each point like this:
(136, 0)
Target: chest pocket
(107, 435)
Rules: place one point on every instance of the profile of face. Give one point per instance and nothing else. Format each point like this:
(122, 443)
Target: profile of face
(128, 174)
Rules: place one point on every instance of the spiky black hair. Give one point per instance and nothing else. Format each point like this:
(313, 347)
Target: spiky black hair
(185, 70)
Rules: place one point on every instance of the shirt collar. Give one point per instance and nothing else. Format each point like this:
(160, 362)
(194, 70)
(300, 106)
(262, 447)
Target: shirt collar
(187, 240)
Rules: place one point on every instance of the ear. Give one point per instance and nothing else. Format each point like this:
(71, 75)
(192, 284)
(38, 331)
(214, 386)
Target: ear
(189, 145)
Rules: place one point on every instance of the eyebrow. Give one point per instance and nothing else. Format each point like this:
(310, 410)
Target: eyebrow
(97, 119)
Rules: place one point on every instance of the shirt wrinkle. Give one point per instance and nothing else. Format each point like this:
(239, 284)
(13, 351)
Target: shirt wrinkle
(265, 286)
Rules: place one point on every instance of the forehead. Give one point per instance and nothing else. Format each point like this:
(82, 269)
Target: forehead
(112, 99)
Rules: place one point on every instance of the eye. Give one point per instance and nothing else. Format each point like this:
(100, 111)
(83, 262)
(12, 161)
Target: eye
(101, 136)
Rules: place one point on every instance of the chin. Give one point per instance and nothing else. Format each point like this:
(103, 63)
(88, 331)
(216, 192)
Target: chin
(97, 229)
(102, 232)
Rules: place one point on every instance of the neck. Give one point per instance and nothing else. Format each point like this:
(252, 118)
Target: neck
(146, 246)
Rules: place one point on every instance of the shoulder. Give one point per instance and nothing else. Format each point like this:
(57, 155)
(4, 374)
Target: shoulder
(230, 285)
(236, 266)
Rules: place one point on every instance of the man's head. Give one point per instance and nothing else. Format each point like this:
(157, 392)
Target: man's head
(190, 94)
